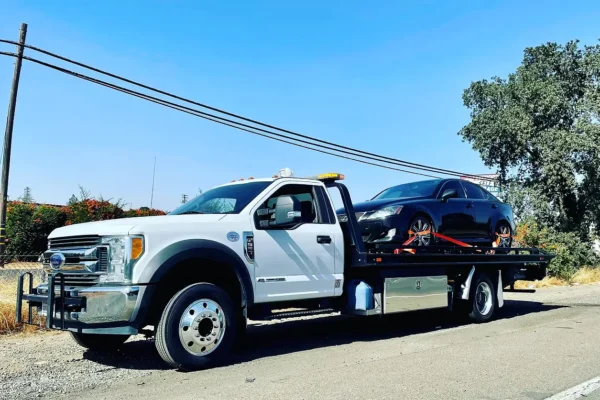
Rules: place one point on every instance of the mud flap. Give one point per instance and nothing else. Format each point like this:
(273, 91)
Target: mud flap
(500, 290)
(466, 287)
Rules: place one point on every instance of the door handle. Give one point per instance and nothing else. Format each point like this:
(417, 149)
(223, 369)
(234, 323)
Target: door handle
(494, 205)
(469, 205)
(324, 239)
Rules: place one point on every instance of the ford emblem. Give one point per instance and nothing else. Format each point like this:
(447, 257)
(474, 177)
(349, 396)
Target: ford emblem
(233, 236)
(57, 260)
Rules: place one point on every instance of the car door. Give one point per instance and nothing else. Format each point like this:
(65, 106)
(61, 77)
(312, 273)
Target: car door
(482, 209)
(296, 262)
(456, 213)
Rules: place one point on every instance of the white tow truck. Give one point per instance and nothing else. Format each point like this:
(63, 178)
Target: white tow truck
(244, 250)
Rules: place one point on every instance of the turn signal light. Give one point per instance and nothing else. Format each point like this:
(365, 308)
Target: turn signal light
(137, 248)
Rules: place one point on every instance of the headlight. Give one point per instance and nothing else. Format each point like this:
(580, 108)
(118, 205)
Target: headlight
(384, 212)
(123, 253)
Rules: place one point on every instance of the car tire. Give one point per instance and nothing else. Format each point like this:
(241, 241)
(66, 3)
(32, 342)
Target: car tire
(482, 301)
(418, 224)
(99, 342)
(502, 228)
(197, 328)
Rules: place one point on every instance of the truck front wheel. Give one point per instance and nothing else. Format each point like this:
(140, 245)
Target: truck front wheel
(197, 328)
(99, 342)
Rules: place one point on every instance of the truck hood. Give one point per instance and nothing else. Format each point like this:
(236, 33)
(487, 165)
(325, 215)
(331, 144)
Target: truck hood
(125, 225)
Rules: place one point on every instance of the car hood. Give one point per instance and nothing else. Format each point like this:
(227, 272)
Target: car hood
(377, 204)
(125, 225)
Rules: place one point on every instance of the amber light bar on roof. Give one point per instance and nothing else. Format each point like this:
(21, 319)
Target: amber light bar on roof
(330, 176)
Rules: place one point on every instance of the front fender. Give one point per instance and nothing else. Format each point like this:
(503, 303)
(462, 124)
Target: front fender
(161, 263)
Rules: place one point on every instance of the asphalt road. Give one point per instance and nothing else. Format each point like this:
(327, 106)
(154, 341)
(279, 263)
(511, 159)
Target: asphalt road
(542, 345)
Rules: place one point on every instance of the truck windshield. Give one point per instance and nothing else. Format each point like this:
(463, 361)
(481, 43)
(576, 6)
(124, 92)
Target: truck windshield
(413, 189)
(230, 199)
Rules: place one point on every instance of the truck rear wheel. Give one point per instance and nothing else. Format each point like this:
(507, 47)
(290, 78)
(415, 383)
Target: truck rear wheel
(99, 342)
(197, 328)
(482, 298)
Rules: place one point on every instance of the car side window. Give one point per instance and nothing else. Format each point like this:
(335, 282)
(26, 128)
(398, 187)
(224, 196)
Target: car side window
(473, 191)
(305, 195)
(452, 185)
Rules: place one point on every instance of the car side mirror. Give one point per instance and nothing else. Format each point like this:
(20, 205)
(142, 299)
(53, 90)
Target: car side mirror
(449, 194)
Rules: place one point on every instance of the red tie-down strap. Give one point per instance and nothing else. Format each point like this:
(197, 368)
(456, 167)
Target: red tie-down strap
(427, 232)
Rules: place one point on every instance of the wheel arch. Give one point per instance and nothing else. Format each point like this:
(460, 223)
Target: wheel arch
(193, 261)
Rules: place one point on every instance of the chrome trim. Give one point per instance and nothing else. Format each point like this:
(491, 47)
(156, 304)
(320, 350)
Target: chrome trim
(89, 259)
(104, 304)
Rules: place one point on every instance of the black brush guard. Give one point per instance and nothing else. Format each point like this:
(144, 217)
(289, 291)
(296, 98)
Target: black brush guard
(55, 303)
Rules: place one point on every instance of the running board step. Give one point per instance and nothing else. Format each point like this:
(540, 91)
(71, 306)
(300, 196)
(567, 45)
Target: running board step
(295, 314)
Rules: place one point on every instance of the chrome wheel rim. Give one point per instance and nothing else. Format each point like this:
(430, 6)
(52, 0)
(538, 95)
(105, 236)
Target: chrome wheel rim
(421, 225)
(504, 240)
(483, 298)
(202, 327)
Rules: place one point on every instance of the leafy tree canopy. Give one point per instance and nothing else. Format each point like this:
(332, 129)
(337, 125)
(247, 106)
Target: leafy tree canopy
(540, 128)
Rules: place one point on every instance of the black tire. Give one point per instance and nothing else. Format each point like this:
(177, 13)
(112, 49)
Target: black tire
(172, 326)
(503, 227)
(418, 222)
(241, 327)
(479, 310)
(94, 341)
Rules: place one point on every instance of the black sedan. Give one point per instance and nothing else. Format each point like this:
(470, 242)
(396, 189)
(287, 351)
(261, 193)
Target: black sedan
(453, 207)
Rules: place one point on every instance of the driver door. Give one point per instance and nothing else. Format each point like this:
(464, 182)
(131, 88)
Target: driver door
(294, 261)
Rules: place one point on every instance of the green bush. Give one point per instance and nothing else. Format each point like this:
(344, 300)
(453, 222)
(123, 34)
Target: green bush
(28, 227)
(572, 253)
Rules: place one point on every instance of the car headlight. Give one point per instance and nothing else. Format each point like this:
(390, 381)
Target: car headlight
(123, 253)
(379, 214)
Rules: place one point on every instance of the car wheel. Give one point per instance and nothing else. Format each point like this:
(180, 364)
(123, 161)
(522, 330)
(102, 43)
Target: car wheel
(197, 328)
(421, 227)
(482, 298)
(502, 236)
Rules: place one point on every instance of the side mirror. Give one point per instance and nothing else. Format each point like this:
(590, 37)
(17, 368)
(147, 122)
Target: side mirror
(449, 194)
(287, 211)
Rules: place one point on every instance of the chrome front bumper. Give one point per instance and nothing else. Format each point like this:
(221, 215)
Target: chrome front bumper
(95, 309)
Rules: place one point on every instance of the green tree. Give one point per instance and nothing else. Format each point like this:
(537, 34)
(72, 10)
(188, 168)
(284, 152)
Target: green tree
(540, 128)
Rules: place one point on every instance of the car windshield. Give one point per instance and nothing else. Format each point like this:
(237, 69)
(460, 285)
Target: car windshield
(229, 199)
(413, 189)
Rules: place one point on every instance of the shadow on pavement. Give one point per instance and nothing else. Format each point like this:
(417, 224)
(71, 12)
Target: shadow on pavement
(273, 339)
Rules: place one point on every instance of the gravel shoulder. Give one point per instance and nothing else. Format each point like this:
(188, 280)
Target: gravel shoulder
(285, 358)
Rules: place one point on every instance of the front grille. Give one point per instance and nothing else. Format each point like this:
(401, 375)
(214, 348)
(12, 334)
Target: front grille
(102, 259)
(74, 242)
(78, 280)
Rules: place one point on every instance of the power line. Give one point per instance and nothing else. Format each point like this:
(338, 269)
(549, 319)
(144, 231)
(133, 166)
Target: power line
(353, 150)
(206, 116)
(195, 113)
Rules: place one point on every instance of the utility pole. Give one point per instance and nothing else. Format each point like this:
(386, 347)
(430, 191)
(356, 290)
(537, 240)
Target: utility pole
(153, 175)
(10, 120)
(184, 198)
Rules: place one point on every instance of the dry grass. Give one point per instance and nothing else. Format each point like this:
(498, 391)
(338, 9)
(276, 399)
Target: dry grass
(584, 276)
(8, 323)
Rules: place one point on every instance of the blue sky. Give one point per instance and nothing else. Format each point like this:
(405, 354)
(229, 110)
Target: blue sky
(386, 77)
